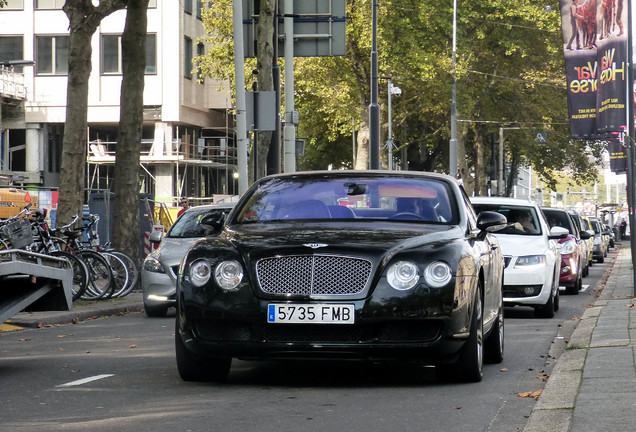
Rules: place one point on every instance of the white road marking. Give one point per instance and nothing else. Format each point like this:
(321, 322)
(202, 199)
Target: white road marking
(85, 380)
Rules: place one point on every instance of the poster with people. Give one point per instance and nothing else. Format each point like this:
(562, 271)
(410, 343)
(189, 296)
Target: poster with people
(595, 47)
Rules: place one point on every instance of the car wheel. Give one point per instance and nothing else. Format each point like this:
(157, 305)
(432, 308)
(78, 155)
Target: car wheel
(194, 368)
(556, 301)
(601, 259)
(155, 311)
(547, 310)
(469, 368)
(575, 288)
(494, 344)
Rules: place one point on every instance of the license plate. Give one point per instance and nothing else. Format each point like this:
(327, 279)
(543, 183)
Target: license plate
(310, 314)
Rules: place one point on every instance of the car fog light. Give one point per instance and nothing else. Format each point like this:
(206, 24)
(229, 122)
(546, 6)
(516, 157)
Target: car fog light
(438, 274)
(200, 272)
(403, 275)
(528, 290)
(228, 274)
(565, 269)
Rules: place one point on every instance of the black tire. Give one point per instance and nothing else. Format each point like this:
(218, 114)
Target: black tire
(601, 259)
(80, 273)
(469, 367)
(133, 273)
(100, 275)
(494, 344)
(556, 300)
(199, 369)
(120, 272)
(547, 310)
(156, 311)
(574, 289)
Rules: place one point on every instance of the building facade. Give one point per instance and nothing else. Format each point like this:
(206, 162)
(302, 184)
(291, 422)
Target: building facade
(187, 147)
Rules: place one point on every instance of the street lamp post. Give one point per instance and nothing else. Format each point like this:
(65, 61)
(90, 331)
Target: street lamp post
(374, 107)
(392, 90)
(453, 141)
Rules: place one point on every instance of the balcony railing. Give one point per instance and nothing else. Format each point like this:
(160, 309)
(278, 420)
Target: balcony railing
(12, 84)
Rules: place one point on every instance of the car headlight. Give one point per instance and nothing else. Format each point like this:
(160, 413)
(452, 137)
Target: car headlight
(228, 274)
(200, 272)
(530, 260)
(152, 264)
(438, 274)
(568, 247)
(597, 240)
(403, 275)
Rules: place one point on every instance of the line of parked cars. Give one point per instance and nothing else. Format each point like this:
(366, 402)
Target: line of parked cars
(545, 248)
(364, 265)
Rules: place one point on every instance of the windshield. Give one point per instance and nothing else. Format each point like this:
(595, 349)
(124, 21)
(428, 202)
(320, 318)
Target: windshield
(188, 225)
(345, 198)
(559, 218)
(522, 220)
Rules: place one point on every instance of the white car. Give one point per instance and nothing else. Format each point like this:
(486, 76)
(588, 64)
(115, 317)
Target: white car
(531, 254)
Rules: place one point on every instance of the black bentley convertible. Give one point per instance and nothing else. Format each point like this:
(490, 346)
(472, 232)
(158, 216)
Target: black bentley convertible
(365, 265)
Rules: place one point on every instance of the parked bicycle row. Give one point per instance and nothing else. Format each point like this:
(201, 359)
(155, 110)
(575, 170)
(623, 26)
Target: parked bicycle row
(99, 272)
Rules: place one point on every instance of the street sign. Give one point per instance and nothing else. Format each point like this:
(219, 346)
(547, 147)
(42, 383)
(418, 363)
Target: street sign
(541, 137)
(319, 28)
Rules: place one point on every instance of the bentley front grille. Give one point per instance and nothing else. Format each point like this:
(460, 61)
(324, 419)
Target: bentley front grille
(313, 275)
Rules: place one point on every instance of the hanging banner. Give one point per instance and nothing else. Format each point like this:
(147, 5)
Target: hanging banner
(618, 157)
(595, 48)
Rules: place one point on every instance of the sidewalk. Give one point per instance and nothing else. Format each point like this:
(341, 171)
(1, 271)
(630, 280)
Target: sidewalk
(593, 384)
(82, 310)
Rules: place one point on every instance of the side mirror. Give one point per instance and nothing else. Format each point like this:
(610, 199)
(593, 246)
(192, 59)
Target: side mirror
(586, 235)
(491, 221)
(156, 236)
(558, 232)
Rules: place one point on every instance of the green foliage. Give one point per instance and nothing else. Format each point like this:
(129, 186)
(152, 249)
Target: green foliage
(509, 72)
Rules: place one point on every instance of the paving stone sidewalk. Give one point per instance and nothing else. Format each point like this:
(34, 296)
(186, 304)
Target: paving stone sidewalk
(592, 387)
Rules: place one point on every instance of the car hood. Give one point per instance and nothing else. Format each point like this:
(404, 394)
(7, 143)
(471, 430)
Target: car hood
(172, 250)
(520, 245)
(377, 240)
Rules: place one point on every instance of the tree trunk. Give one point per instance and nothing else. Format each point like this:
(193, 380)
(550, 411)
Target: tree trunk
(462, 162)
(480, 178)
(83, 21)
(126, 235)
(264, 62)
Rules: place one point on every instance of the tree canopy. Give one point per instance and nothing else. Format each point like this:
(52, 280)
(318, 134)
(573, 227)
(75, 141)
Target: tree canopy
(510, 74)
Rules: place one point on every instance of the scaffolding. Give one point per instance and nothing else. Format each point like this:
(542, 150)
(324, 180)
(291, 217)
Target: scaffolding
(204, 166)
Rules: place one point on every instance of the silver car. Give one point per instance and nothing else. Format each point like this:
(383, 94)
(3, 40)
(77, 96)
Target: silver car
(159, 270)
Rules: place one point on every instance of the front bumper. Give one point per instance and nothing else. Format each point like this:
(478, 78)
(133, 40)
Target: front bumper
(159, 289)
(569, 271)
(526, 286)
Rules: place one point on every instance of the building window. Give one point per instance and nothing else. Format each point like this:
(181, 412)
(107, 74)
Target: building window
(187, 6)
(200, 53)
(199, 8)
(49, 4)
(111, 54)
(151, 54)
(187, 57)
(12, 48)
(14, 4)
(51, 55)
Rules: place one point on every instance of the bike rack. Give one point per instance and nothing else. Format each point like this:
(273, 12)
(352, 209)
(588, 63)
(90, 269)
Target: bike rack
(31, 281)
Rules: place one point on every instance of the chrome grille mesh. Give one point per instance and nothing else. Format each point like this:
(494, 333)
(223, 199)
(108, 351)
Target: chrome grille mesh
(313, 275)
